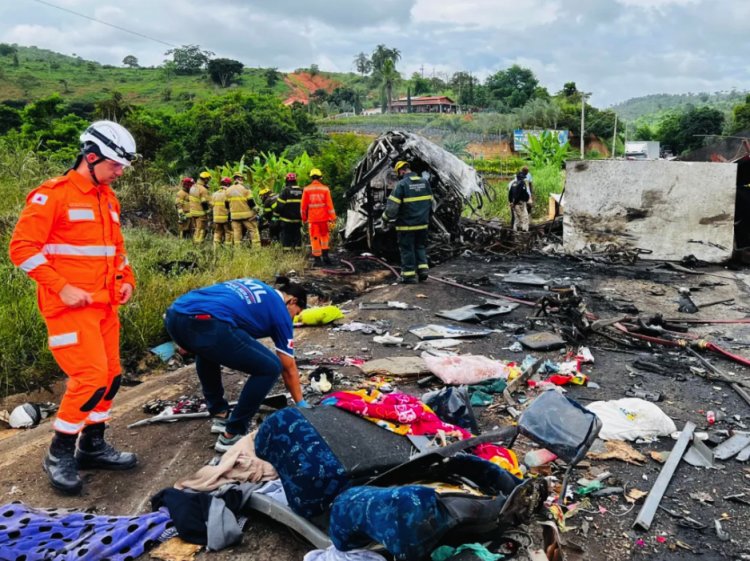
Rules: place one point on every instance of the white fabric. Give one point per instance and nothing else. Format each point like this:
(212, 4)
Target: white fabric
(465, 369)
(333, 554)
(631, 418)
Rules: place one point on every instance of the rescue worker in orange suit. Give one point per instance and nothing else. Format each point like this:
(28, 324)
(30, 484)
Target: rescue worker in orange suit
(220, 204)
(316, 209)
(288, 211)
(200, 200)
(182, 202)
(242, 212)
(68, 240)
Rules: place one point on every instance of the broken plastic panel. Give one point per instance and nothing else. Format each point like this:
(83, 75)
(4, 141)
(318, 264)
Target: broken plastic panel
(478, 312)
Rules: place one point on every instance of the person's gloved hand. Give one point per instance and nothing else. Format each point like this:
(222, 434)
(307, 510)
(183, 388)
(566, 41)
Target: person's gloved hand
(303, 404)
(386, 226)
(331, 225)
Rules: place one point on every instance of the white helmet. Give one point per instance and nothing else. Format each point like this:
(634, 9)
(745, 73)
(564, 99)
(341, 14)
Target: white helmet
(110, 140)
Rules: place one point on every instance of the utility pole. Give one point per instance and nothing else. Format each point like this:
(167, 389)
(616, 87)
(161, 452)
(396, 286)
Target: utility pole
(583, 121)
(614, 138)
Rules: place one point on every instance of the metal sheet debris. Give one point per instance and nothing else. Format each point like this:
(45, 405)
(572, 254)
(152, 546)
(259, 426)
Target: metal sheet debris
(478, 312)
(732, 446)
(434, 331)
(671, 209)
(699, 455)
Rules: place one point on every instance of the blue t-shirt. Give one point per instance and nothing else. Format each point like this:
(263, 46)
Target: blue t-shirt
(249, 304)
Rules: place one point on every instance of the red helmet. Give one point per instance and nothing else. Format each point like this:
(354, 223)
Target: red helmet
(226, 181)
(291, 177)
(188, 181)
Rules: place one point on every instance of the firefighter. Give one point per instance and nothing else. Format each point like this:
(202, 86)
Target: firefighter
(182, 202)
(316, 209)
(288, 213)
(409, 206)
(68, 240)
(268, 200)
(220, 205)
(200, 200)
(242, 212)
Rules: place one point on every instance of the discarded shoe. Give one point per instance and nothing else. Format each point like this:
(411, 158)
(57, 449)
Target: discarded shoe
(96, 453)
(60, 464)
(223, 443)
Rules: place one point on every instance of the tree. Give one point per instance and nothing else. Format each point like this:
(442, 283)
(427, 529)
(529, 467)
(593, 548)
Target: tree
(512, 87)
(189, 59)
(388, 78)
(687, 130)
(224, 71)
(741, 116)
(130, 61)
(644, 132)
(569, 89)
(9, 119)
(464, 85)
(363, 64)
(7, 50)
(272, 76)
(314, 70)
(64, 84)
(381, 54)
(420, 84)
(114, 108)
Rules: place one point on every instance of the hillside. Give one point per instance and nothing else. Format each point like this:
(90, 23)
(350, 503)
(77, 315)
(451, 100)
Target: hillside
(41, 72)
(650, 108)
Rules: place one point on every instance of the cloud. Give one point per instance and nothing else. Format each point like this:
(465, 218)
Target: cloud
(613, 48)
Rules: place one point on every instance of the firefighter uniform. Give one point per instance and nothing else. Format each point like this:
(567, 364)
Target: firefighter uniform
(243, 214)
(200, 199)
(270, 220)
(69, 233)
(288, 212)
(410, 205)
(220, 206)
(316, 209)
(184, 222)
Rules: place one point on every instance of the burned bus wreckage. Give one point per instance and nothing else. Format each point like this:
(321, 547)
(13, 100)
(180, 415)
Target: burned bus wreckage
(455, 185)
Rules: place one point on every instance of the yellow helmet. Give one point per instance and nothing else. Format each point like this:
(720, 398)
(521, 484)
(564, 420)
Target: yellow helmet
(399, 165)
(264, 191)
(315, 172)
(205, 175)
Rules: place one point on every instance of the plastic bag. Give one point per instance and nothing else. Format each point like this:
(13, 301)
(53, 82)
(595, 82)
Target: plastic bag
(318, 316)
(452, 405)
(631, 419)
(465, 369)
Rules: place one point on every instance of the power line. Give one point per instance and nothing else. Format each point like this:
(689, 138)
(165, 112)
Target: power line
(104, 23)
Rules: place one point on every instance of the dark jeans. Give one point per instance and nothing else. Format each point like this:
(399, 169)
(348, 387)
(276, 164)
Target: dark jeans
(413, 247)
(291, 234)
(216, 343)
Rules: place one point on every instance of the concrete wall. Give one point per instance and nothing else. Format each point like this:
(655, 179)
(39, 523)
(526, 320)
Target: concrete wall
(673, 209)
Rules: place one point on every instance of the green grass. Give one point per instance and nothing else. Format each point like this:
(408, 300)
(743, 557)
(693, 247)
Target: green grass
(25, 361)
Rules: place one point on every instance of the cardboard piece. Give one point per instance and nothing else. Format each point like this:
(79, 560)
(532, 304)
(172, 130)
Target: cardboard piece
(395, 366)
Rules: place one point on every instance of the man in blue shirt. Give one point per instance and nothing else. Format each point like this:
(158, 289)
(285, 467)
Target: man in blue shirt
(220, 324)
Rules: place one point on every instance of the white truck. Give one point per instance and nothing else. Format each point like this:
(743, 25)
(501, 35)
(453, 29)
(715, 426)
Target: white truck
(642, 150)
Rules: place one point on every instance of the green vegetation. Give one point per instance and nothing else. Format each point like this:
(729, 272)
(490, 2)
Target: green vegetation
(650, 109)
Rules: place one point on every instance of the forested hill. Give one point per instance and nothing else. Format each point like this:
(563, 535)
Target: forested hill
(649, 109)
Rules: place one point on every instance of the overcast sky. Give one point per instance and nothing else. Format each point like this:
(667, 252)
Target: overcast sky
(616, 49)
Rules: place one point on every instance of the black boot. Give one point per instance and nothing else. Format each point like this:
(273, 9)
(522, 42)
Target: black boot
(326, 258)
(96, 453)
(317, 261)
(60, 464)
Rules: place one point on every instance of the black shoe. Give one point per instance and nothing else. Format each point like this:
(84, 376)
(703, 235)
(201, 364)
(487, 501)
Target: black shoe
(96, 453)
(326, 258)
(317, 262)
(408, 280)
(60, 464)
(423, 277)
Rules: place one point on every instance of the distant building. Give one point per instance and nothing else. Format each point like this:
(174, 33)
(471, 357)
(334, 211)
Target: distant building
(425, 104)
(372, 111)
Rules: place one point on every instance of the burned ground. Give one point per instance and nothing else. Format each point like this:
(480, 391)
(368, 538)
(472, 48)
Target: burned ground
(602, 528)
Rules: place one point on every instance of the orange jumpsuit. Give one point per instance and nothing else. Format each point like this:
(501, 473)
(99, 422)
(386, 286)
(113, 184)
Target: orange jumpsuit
(69, 233)
(316, 209)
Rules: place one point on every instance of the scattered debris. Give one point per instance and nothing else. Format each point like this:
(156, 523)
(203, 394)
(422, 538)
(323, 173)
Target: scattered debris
(648, 510)
(699, 455)
(543, 341)
(396, 366)
(732, 446)
(479, 312)
(616, 450)
(433, 331)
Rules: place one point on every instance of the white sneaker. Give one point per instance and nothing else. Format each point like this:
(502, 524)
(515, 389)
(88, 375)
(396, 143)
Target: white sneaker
(223, 443)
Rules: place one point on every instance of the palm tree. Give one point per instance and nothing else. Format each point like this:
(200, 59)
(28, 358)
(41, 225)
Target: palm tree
(388, 78)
